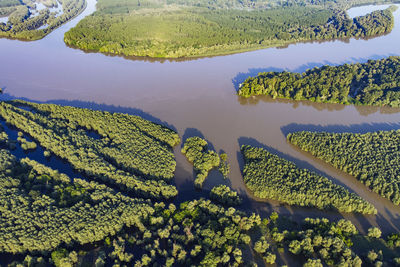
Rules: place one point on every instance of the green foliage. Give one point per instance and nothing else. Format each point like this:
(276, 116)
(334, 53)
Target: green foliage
(374, 232)
(269, 176)
(373, 158)
(180, 28)
(4, 140)
(132, 153)
(58, 255)
(24, 26)
(224, 167)
(25, 144)
(41, 209)
(204, 234)
(375, 82)
(313, 263)
(224, 195)
(393, 240)
(196, 151)
(263, 248)
(328, 240)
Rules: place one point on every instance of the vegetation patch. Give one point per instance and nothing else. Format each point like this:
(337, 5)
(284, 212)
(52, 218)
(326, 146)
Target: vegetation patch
(373, 158)
(271, 177)
(42, 209)
(196, 151)
(133, 153)
(178, 28)
(376, 82)
(224, 195)
(27, 22)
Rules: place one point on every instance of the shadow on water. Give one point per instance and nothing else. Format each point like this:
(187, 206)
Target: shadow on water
(192, 132)
(37, 154)
(95, 106)
(353, 128)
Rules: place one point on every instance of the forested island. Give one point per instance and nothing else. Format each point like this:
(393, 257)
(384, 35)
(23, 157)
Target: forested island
(26, 21)
(271, 177)
(175, 28)
(373, 158)
(121, 209)
(376, 82)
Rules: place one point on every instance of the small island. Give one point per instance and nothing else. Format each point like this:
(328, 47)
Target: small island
(375, 82)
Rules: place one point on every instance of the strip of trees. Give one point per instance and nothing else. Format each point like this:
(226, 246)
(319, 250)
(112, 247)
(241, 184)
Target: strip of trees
(373, 158)
(271, 177)
(203, 159)
(375, 82)
(132, 153)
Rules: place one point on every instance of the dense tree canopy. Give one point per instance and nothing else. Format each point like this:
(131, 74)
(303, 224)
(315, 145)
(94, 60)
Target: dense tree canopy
(269, 176)
(41, 208)
(373, 158)
(224, 195)
(204, 160)
(129, 151)
(25, 22)
(50, 219)
(179, 28)
(375, 82)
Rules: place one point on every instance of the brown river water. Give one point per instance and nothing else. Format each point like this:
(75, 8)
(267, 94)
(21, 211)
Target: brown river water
(197, 97)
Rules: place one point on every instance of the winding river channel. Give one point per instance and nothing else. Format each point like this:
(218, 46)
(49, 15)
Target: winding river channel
(197, 97)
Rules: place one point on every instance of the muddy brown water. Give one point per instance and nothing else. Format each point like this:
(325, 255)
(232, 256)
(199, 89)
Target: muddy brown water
(197, 97)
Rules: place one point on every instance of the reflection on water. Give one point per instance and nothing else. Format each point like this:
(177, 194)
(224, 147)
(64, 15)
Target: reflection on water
(364, 10)
(200, 95)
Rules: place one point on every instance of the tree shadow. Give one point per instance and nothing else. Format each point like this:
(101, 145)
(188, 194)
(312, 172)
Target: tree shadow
(193, 132)
(95, 106)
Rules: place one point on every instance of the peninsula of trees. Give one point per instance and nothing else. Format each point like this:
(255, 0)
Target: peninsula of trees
(25, 21)
(203, 159)
(271, 177)
(373, 158)
(176, 28)
(376, 82)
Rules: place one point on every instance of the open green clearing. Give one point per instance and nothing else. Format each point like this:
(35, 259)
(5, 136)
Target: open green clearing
(376, 82)
(177, 28)
(373, 158)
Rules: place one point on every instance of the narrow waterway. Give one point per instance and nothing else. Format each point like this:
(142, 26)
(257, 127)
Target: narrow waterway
(197, 97)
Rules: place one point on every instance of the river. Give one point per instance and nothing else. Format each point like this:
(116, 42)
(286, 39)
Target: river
(197, 97)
